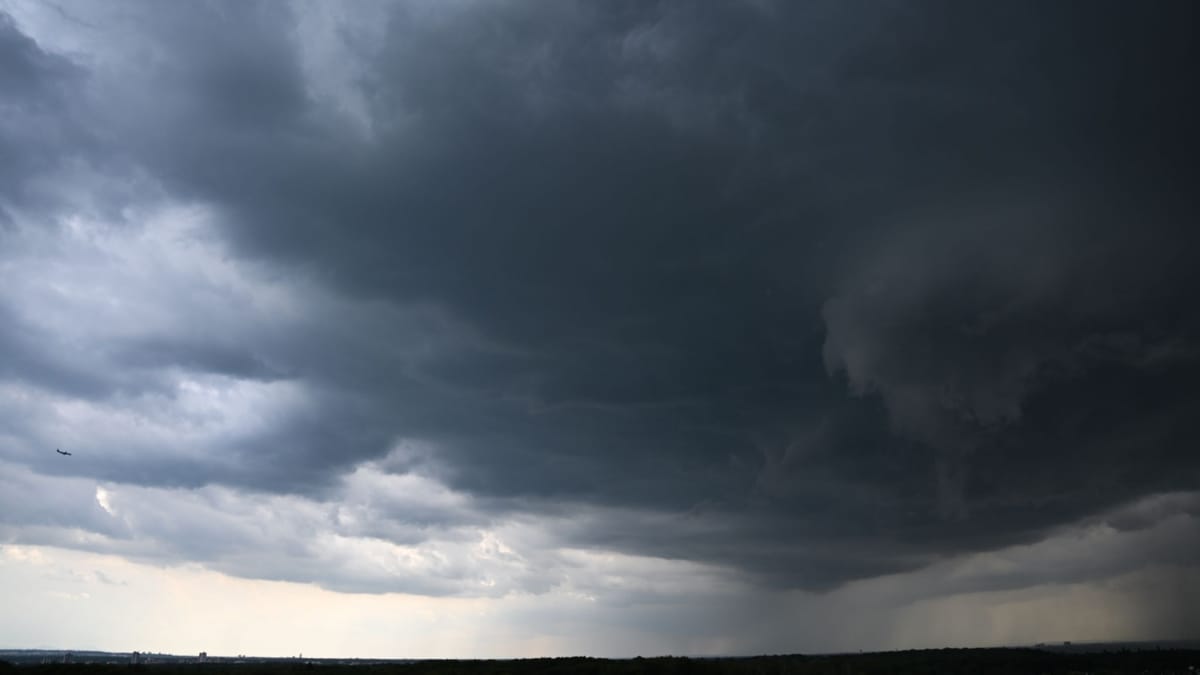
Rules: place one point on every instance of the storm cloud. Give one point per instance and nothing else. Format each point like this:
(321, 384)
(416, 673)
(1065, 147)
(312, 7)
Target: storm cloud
(445, 297)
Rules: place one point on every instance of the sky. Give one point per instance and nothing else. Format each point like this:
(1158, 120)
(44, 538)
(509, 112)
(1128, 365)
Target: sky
(486, 328)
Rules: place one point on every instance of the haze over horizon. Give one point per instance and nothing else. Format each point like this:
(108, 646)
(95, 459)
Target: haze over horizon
(487, 328)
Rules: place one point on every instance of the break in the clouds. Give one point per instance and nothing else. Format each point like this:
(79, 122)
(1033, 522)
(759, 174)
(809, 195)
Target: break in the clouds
(867, 307)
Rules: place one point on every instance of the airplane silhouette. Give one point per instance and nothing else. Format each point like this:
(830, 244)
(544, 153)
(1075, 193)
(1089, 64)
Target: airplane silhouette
(62, 452)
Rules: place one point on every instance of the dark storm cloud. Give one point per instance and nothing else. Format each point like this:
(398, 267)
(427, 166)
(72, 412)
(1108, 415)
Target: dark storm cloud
(855, 286)
(1020, 338)
(26, 359)
(210, 358)
(30, 75)
(34, 88)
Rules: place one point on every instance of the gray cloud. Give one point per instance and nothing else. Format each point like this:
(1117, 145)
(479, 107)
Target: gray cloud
(979, 329)
(807, 292)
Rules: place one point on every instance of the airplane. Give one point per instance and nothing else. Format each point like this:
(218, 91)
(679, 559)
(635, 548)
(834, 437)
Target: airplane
(62, 452)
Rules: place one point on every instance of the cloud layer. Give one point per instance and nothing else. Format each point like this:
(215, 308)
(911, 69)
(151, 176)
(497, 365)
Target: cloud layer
(457, 299)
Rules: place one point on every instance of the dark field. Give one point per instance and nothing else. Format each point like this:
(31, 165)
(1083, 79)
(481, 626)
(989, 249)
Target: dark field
(964, 661)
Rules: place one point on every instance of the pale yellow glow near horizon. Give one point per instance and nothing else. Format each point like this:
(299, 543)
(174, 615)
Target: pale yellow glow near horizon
(86, 600)
(64, 599)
